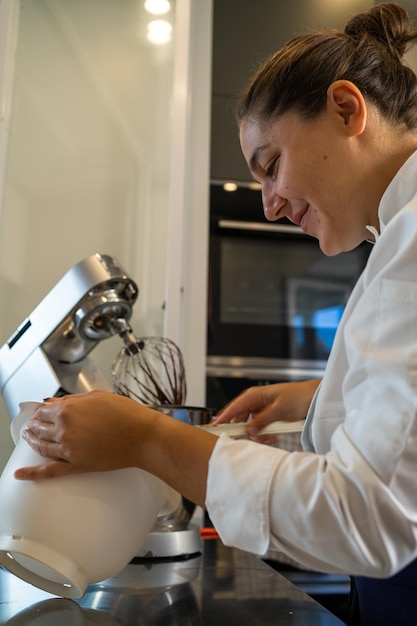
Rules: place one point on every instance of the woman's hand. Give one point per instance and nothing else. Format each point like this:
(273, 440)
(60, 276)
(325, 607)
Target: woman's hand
(86, 432)
(262, 405)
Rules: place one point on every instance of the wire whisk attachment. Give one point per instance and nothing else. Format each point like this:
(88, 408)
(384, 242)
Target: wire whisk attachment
(153, 374)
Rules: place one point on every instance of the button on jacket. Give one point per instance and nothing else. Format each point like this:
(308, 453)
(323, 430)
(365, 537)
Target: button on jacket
(348, 502)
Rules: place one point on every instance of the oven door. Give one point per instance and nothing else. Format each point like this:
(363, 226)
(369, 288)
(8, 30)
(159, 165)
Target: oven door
(273, 293)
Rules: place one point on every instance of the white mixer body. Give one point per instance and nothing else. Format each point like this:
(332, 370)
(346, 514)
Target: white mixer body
(49, 355)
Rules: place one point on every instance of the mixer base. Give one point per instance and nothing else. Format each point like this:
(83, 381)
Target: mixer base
(172, 543)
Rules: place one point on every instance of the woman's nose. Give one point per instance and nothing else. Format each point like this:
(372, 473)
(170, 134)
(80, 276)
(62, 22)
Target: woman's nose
(272, 202)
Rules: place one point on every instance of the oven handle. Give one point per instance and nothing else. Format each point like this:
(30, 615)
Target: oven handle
(260, 226)
(278, 374)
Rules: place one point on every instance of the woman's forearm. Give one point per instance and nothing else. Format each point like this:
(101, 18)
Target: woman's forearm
(179, 454)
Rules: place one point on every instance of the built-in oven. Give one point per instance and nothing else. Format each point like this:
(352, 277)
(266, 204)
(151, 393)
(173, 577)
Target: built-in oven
(275, 300)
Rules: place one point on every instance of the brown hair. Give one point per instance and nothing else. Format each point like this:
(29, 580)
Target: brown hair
(368, 53)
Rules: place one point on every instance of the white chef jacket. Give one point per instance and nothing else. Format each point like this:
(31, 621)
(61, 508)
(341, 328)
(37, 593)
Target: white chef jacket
(348, 502)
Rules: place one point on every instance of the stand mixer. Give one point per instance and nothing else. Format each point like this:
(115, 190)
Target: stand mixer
(50, 355)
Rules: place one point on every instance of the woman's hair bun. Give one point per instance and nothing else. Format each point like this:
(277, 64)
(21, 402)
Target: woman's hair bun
(387, 23)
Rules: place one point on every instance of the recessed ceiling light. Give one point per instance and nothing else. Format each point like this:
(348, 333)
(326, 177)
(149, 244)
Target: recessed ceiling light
(230, 186)
(157, 7)
(159, 31)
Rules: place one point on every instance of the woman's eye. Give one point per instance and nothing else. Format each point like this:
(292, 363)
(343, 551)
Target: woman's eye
(270, 169)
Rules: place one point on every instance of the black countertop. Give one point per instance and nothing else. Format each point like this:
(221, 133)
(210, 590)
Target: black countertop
(220, 586)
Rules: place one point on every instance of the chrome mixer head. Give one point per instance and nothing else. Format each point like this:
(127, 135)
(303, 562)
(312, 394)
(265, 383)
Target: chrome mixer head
(105, 312)
(48, 354)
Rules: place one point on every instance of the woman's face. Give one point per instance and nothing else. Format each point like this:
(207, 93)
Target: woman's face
(310, 172)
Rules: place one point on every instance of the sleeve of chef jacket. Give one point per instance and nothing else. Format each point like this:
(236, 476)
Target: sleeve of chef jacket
(352, 508)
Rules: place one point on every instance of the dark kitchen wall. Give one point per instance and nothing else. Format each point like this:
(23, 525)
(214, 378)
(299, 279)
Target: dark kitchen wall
(244, 33)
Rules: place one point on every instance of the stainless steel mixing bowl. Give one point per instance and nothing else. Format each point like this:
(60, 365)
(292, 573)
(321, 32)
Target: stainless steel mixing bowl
(195, 415)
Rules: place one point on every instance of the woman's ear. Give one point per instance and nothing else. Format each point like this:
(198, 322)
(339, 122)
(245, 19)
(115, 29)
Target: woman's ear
(348, 103)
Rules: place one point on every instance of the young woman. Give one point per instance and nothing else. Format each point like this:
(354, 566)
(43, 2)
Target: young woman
(327, 128)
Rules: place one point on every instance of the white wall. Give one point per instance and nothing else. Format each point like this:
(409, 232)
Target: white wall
(88, 169)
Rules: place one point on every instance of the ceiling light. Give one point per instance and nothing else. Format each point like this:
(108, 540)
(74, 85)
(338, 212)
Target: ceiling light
(159, 31)
(230, 186)
(157, 7)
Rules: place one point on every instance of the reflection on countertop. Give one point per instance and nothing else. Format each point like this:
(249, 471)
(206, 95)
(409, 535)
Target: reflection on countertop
(220, 586)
